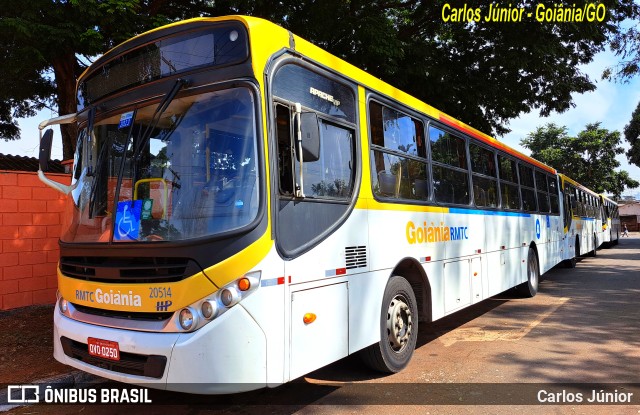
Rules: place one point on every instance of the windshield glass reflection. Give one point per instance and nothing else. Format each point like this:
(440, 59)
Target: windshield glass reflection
(195, 176)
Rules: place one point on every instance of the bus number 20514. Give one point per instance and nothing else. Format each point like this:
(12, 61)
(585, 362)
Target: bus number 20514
(159, 292)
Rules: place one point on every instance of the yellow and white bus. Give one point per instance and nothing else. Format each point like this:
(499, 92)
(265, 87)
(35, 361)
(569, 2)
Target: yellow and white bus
(246, 208)
(582, 221)
(610, 221)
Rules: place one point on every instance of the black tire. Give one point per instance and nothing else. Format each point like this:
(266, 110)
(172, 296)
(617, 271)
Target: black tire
(529, 288)
(595, 247)
(609, 244)
(398, 329)
(571, 263)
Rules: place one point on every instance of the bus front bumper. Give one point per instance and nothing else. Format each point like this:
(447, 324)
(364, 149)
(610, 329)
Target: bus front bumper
(225, 356)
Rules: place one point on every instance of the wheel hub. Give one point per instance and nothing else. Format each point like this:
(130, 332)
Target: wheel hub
(399, 323)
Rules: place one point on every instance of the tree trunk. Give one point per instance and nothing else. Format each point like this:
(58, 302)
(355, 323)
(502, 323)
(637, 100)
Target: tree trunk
(63, 69)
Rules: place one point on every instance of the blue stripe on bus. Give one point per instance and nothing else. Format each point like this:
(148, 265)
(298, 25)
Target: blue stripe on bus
(488, 212)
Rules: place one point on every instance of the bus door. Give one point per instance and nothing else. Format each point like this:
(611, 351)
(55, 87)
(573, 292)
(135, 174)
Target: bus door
(322, 238)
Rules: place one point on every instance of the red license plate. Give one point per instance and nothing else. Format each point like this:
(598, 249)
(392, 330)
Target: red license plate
(104, 348)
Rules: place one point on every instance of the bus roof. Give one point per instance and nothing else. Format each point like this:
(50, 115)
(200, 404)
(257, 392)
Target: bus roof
(323, 57)
(566, 178)
(605, 197)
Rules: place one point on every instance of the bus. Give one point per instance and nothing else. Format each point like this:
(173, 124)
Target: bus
(245, 208)
(582, 221)
(610, 221)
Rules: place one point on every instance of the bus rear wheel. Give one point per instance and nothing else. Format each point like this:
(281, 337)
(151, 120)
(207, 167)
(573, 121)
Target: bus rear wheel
(398, 329)
(571, 263)
(529, 288)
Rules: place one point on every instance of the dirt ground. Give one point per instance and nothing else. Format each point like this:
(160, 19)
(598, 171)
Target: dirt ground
(26, 345)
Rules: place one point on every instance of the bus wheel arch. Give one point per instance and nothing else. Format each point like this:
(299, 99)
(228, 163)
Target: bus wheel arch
(414, 273)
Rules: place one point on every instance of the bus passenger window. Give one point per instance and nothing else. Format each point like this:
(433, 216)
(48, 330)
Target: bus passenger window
(527, 188)
(485, 191)
(450, 186)
(394, 176)
(510, 196)
(450, 176)
(447, 149)
(485, 183)
(543, 202)
(332, 175)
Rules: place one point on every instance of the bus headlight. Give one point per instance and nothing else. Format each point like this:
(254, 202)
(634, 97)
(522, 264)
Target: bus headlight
(209, 309)
(63, 305)
(187, 319)
(229, 296)
(205, 310)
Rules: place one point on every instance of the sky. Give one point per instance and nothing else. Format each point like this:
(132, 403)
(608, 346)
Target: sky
(611, 104)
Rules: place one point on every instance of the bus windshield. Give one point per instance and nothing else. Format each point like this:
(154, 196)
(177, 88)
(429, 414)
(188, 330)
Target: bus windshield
(189, 173)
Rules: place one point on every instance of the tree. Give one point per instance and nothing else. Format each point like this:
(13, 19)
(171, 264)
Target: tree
(589, 158)
(632, 135)
(45, 45)
(621, 180)
(626, 44)
(483, 73)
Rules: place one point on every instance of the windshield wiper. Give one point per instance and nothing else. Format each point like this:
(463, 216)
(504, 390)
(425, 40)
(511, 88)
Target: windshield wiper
(97, 174)
(162, 107)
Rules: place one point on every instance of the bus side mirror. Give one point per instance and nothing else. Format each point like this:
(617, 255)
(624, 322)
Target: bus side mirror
(46, 141)
(45, 149)
(310, 128)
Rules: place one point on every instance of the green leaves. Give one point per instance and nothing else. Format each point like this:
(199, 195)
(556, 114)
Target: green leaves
(481, 73)
(589, 158)
(632, 135)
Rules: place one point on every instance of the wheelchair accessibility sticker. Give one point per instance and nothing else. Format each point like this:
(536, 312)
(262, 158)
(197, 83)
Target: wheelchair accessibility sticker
(128, 220)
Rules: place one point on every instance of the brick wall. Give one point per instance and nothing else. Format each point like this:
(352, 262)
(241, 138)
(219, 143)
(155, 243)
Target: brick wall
(30, 223)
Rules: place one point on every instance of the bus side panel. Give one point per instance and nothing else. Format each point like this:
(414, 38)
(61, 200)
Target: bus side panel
(503, 257)
(308, 350)
(395, 235)
(328, 259)
(268, 307)
(542, 233)
(549, 251)
(323, 266)
(365, 301)
(466, 243)
(213, 366)
(466, 233)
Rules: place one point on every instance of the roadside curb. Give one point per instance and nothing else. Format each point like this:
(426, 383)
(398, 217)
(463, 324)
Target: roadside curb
(63, 381)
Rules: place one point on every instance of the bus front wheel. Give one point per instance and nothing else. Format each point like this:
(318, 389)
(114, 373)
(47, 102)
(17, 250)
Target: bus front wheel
(398, 329)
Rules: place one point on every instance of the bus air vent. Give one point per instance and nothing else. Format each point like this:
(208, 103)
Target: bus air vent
(355, 256)
(130, 270)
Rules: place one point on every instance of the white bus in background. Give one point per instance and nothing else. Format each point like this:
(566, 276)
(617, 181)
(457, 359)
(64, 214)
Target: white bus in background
(610, 221)
(583, 232)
